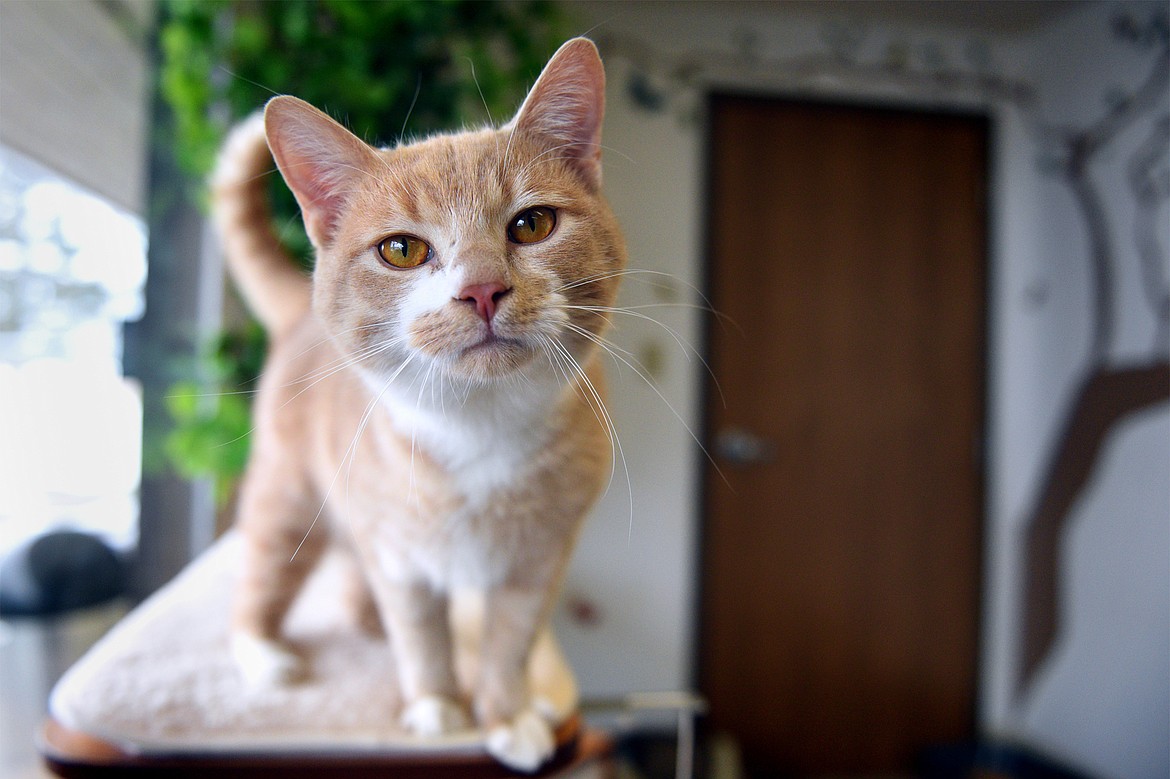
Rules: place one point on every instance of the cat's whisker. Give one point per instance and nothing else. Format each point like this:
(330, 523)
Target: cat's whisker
(246, 80)
(483, 99)
(593, 397)
(351, 450)
(345, 362)
(553, 348)
(348, 357)
(707, 306)
(505, 159)
(318, 344)
(599, 339)
(618, 152)
(317, 165)
(616, 448)
(409, 111)
(354, 357)
(338, 365)
(649, 383)
(351, 453)
(542, 159)
(410, 489)
(683, 345)
(620, 273)
(223, 394)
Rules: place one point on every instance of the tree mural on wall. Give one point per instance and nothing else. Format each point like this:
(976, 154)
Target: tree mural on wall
(1108, 394)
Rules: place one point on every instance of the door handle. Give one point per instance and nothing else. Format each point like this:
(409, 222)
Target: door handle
(743, 448)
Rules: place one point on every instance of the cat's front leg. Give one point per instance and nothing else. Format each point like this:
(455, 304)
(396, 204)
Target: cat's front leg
(517, 734)
(278, 554)
(415, 615)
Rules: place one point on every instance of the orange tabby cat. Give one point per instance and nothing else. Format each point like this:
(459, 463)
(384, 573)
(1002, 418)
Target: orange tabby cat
(431, 400)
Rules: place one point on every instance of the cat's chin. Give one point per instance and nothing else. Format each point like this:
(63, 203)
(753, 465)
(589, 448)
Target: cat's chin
(492, 358)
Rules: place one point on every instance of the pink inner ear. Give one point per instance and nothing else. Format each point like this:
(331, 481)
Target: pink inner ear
(319, 160)
(567, 106)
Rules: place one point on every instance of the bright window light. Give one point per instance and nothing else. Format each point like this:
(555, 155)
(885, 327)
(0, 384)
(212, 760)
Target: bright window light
(72, 272)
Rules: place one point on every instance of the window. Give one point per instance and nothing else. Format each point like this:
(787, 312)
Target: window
(72, 271)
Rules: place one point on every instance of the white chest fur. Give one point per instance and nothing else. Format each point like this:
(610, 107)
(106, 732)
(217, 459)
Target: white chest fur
(485, 441)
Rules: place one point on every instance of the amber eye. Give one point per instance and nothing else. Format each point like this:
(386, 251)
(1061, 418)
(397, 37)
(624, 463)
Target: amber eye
(532, 225)
(404, 251)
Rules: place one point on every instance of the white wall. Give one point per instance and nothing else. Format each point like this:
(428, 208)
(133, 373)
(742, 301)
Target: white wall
(1102, 703)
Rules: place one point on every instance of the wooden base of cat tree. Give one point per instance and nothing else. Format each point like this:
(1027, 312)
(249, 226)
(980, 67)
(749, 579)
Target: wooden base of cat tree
(581, 752)
(160, 694)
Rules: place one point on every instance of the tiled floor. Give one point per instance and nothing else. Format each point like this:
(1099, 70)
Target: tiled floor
(33, 654)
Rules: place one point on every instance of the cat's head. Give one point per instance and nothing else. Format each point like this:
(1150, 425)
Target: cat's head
(479, 253)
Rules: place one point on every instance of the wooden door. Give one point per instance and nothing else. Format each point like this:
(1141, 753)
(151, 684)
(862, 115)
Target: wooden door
(841, 560)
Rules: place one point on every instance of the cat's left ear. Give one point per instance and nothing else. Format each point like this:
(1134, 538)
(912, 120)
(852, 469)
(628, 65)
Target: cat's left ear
(567, 105)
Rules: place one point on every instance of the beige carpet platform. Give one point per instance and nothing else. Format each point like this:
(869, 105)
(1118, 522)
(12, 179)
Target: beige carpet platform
(162, 688)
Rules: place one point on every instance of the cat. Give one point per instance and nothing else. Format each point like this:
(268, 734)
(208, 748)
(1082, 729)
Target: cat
(433, 399)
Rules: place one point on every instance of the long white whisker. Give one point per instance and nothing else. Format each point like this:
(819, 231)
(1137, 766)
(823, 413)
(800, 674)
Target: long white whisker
(351, 451)
(607, 424)
(409, 111)
(425, 379)
(341, 364)
(683, 345)
(707, 306)
(677, 416)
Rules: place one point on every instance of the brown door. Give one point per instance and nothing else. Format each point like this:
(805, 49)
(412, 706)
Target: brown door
(841, 557)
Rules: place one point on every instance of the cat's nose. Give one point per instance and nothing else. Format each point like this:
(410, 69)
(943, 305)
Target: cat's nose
(486, 297)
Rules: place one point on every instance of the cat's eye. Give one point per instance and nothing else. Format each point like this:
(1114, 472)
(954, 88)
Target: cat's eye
(404, 251)
(532, 225)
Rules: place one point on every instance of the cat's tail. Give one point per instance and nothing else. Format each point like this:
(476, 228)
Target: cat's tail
(276, 291)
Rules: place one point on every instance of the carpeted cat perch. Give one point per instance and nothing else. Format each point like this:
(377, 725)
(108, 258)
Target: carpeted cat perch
(161, 691)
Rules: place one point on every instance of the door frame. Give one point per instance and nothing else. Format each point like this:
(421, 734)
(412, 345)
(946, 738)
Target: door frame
(985, 114)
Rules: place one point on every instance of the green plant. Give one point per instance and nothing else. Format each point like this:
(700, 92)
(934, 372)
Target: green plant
(211, 430)
(387, 69)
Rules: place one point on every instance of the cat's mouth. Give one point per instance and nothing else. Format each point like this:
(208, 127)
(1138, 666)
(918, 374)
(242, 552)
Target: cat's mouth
(472, 352)
(492, 341)
(494, 355)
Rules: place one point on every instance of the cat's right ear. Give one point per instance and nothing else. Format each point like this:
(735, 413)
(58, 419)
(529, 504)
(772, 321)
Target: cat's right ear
(319, 160)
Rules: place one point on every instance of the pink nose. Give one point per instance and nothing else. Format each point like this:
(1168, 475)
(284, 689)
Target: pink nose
(486, 297)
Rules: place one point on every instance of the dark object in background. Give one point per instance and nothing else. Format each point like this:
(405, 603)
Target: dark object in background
(59, 572)
(991, 760)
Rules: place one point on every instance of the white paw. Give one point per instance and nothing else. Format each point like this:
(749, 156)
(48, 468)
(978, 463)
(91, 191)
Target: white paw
(524, 744)
(432, 716)
(546, 708)
(265, 663)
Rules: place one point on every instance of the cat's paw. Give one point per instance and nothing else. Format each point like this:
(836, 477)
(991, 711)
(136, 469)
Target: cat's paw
(432, 716)
(265, 663)
(546, 708)
(524, 744)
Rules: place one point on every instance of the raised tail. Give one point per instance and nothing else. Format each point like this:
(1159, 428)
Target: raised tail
(275, 290)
